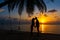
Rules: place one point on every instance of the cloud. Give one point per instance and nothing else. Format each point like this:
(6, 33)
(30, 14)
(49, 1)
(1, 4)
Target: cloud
(53, 10)
(2, 10)
(45, 15)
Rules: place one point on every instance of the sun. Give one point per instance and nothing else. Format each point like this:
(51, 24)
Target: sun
(42, 19)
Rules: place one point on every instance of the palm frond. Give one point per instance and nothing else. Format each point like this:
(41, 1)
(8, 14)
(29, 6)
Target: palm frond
(17, 3)
(39, 5)
(11, 5)
(20, 7)
(44, 5)
(30, 6)
(3, 3)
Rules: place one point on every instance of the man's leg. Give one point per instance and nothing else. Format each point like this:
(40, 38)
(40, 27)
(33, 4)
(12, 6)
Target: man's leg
(31, 29)
(38, 31)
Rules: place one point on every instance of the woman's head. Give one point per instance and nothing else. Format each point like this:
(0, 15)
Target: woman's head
(35, 17)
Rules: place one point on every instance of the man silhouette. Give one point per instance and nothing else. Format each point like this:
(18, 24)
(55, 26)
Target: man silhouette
(32, 25)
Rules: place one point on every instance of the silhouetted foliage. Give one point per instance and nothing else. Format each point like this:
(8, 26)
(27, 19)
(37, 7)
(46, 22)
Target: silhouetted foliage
(28, 3)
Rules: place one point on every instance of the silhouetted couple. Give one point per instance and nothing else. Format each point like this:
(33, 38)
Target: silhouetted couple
(35, 23)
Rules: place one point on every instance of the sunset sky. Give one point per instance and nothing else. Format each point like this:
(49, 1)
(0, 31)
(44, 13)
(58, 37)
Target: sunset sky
(50, 16)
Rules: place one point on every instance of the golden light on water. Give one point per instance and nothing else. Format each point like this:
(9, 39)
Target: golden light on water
(42, 28)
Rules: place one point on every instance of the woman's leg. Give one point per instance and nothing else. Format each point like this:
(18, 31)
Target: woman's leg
(38, 31)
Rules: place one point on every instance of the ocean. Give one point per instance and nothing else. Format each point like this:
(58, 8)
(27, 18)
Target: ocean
(43, 28)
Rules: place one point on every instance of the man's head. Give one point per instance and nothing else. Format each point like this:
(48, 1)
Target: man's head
(35, 17)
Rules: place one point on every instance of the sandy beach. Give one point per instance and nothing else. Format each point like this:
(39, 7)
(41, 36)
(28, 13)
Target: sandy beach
(19, 35)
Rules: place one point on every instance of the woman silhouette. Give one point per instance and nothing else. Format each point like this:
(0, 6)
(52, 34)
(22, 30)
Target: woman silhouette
(37, 24)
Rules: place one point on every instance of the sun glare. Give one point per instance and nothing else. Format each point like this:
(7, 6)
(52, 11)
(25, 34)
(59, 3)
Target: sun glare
(42, 20)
